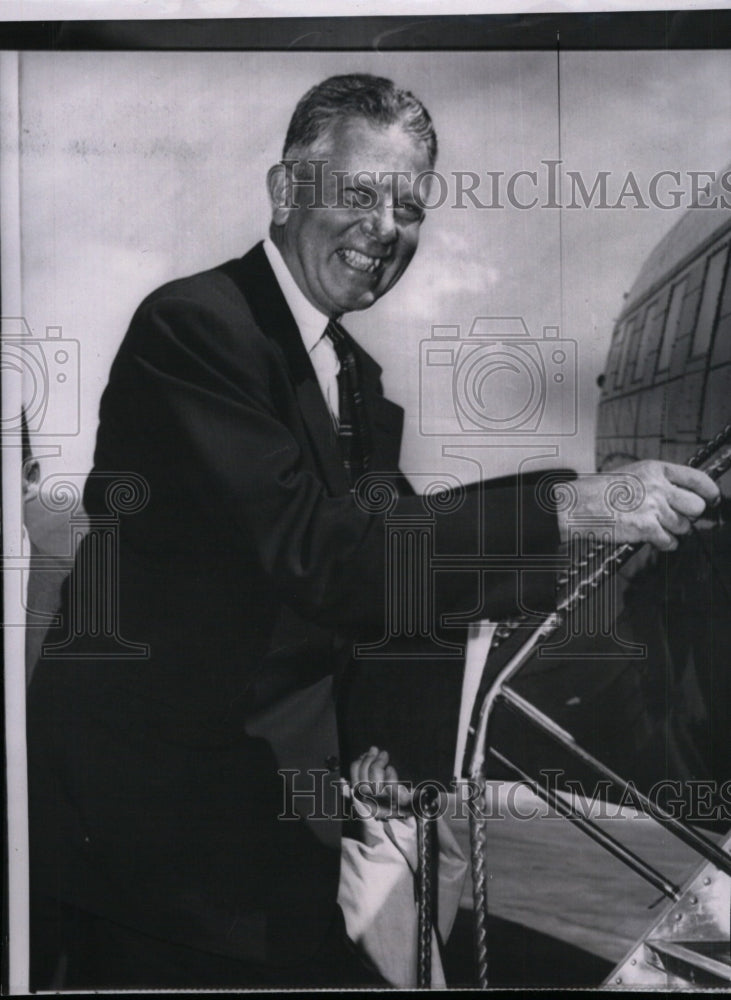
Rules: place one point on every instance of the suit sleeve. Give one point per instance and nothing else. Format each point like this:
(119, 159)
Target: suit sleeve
(200, 411)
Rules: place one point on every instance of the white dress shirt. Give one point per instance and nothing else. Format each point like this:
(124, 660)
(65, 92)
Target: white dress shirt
(312, 325)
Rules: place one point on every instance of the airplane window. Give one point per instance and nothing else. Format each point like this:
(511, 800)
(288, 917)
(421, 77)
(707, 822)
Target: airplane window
(709, 302)
(671, 325)
(611, 363)
(619, 352)
(650, 337)
(634, 336)
(640, 344)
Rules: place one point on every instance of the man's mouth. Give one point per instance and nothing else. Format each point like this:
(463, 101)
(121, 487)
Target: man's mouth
(361, 261)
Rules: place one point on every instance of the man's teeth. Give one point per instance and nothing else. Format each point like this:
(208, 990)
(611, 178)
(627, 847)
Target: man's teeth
(360, 261)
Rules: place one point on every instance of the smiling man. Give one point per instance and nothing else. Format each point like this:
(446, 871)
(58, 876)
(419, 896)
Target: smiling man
(363, 227)
(183, 754)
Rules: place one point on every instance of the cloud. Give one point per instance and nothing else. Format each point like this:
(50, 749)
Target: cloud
(451, 269)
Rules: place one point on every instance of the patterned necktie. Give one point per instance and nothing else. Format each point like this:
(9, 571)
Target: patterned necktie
(353, 430)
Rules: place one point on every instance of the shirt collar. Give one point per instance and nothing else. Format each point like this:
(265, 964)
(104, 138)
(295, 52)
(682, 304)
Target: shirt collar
(311, 322)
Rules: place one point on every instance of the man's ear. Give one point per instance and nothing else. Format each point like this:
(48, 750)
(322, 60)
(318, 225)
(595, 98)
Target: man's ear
(279, 183)
(31, 478)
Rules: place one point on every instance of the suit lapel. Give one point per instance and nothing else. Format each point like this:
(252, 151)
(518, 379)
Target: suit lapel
(385, 418)
(255, 279)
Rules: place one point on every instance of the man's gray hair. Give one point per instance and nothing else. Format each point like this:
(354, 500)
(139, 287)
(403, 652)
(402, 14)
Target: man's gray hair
(356, 95)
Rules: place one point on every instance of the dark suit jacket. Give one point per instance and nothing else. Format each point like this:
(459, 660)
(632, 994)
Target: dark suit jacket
(153, 781)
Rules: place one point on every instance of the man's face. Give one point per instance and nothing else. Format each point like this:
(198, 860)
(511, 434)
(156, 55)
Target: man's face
(348, 254)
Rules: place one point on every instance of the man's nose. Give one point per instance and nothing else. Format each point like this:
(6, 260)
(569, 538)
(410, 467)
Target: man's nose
(380, 222)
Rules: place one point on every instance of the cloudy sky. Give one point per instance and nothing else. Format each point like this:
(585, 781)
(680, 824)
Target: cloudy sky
(139, 167)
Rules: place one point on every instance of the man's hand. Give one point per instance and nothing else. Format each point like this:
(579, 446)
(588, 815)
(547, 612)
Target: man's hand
(648, 501)
(375, 783)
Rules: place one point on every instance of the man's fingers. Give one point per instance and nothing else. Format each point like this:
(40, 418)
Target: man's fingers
(661, 526)
(692, 479)
(686, 503)
(360, 768)
(402, 789)
(671, 521)
(373, 777)
(371, 769)
(663, 540)
(377, 768)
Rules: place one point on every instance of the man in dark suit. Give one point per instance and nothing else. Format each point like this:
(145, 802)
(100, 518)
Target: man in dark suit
(166, 849)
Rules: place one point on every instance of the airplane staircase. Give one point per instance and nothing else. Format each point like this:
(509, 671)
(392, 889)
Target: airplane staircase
(689, 943)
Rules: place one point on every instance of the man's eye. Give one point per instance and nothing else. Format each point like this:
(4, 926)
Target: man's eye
(409, 212)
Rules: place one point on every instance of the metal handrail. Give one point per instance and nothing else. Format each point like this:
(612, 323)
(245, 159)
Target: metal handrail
(601, 562)
(650, 874)
(696, 841)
